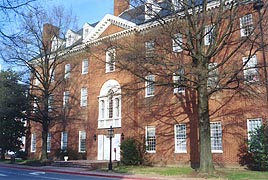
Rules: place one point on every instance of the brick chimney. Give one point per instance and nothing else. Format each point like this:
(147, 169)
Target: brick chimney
(120, 6)
(49, 31)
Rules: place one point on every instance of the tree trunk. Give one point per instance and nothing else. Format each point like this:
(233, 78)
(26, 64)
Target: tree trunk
(2, 154)
(44, 156)
(206, 163)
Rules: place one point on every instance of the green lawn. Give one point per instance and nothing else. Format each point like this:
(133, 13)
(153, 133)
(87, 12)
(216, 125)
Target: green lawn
(221, 173)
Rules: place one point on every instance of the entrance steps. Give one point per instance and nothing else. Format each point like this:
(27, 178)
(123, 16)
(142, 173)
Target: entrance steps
(89, 164)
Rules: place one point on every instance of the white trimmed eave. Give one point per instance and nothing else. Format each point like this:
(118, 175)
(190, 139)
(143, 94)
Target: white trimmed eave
(105, 23)
(132, 28)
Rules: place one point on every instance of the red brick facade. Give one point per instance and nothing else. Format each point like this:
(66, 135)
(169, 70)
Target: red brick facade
(163, 111)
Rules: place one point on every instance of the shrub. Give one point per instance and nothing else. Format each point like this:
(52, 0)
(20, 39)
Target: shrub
(131, 152)
(71, 153)
(255, 155)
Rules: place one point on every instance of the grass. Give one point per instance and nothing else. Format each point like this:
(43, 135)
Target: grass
(220, 173)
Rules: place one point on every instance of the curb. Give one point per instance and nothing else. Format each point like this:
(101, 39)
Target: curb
(126, 177)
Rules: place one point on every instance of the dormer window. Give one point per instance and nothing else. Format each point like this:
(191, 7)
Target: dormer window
(151, 9)
(69, 40)
(177, 5)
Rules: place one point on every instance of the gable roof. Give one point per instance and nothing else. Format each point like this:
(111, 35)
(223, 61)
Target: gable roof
(102, 25)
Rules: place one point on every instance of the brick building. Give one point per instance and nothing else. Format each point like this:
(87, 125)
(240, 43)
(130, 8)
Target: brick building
(106, 84)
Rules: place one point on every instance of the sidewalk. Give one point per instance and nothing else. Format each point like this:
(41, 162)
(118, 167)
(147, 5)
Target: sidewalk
(86, 172)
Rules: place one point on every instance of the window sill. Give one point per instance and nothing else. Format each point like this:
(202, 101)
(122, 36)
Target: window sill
(217, 151)
(180, 152)
(151, 152)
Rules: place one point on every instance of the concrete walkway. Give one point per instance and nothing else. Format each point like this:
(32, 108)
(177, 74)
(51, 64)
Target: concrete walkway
(86, 172)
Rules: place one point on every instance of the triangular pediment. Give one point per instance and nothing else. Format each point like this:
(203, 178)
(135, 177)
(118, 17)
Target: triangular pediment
(108, 25)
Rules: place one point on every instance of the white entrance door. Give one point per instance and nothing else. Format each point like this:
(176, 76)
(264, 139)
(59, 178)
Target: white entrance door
(104, 147)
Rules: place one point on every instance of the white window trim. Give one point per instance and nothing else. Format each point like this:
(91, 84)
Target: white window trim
(85, 66)
(146, 132)
(248, 124)
(80, 138)
(83, 98)
(213, 81)
(208, 38)
(217, 151)
(110, 53)
(176, 5)
(33, 142)
(67, 71)
(242, 28)
(177, 78)
(177, 150)
(48, 142)
(62, 140)
(66, 98)
(149, 84)
(248, 68)
(177, 43)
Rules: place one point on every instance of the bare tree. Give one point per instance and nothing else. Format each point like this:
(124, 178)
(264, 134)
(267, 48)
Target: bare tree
(194, 47)
(38, 46)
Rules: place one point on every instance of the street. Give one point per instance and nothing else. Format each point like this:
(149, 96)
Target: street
(20, 174)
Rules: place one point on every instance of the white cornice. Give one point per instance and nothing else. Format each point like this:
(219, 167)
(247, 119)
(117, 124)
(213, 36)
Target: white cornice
(105, 23)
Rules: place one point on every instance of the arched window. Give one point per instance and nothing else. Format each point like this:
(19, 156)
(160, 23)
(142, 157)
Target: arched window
(110, 105)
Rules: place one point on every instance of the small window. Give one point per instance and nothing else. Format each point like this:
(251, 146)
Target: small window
(85, 66)
(250, 69)
(216, 137)
(83, 102)
(110, 60)
(213, 75)
(66, 97)
(67, 71)
(64, 141)
(82, 141)
(35, 105)
(49, 142)
(180, 138)
(253, 124)
(208, 39)
(150, 139)
(177, 43)
(246, 25)
(33, 142)
(149, 85)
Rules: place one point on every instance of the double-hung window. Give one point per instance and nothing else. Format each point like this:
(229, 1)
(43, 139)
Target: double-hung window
(82, 141)
(67, 71)
(66, 98)
(216, 137)
(50, 102)
(208, 38)
(110, 60)
(52, 74)
(33, 142)
(180, 138)
(85, 66)
(64, 141)
(250, 69)
(48, 142)
(213, 75)
(177, 4)
(83, 102)
(149, 85)
(150, 139)
(246, 25)
(178, 80)
(149, 49)
(177, 43)
(252, 125)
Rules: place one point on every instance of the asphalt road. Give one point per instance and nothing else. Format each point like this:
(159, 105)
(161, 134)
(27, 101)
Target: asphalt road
(18, 174)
